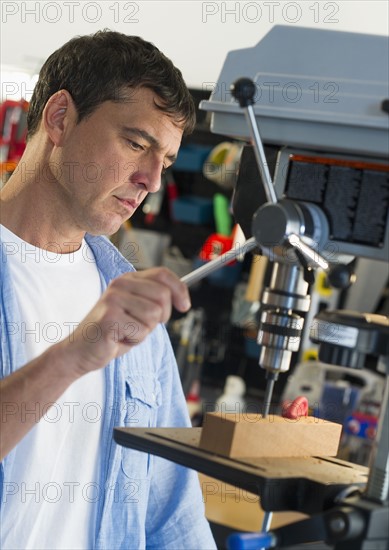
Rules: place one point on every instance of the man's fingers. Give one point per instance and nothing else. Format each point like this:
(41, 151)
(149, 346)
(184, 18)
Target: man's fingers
(179, 293)
(149, 310)
(146, 300)
(179, 290)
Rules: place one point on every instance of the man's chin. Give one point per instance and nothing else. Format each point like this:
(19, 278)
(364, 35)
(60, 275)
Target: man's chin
(108, 229)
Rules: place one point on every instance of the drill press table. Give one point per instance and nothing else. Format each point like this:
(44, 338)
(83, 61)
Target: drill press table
(305, 485)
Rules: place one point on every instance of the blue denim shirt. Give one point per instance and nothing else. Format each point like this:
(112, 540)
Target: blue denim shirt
(144, 501)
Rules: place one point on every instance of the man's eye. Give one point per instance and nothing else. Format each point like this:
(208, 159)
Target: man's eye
(135, 145)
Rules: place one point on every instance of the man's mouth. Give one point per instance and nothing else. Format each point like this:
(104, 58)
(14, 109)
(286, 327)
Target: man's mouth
(129, 204)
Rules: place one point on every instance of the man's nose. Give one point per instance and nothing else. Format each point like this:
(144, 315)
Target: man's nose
(152, 172)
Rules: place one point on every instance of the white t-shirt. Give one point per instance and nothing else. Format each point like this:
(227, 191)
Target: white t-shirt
(54, 495)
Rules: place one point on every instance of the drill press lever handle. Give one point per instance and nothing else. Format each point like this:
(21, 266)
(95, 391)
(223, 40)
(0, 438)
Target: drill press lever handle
(339, 275)
(244, 91)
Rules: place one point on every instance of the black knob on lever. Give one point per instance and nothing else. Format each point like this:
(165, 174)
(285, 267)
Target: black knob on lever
(341, 276)
(243, 91)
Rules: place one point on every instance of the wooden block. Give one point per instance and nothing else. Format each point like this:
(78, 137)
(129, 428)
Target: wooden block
(251, 436)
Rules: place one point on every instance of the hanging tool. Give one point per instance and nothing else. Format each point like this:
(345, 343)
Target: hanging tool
(182, 350)
(195, 355)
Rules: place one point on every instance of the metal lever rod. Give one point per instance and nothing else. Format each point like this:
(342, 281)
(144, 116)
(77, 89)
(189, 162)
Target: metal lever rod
(308, 252)
(260, 155)
(339, 276)
(244, 91)
(218, 262)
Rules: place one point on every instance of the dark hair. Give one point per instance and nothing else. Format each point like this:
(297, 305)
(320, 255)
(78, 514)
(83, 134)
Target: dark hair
(103, 67)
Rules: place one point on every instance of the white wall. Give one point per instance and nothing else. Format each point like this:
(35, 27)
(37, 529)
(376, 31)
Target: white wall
(196, 35)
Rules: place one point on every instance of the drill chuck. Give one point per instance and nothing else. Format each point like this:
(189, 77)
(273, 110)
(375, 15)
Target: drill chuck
(279, 335)
(281, 324)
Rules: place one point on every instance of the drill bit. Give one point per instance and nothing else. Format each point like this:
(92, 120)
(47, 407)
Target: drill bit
(271, 378)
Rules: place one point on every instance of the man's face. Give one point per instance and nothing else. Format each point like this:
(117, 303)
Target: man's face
(111, 160)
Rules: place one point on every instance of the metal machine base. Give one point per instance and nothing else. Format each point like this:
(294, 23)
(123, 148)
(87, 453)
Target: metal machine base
(308, 485)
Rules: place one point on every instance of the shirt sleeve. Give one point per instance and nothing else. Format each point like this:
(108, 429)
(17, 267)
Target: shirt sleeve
(175, 516)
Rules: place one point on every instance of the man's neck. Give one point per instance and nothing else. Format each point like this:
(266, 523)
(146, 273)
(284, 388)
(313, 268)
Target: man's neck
(29, 206)
(25, 213)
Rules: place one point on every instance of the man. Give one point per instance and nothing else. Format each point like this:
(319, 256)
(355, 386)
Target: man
(83, 345)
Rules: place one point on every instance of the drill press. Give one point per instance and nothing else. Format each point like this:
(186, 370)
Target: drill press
(287, 233)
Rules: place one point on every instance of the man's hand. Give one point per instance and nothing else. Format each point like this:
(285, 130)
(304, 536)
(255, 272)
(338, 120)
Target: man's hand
(127, 312)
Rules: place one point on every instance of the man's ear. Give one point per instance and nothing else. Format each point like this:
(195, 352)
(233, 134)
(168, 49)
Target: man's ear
(58, 116)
